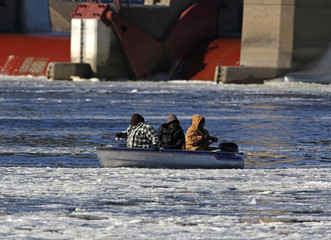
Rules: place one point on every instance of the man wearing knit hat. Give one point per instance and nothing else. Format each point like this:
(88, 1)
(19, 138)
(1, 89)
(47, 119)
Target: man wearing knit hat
(139, 134)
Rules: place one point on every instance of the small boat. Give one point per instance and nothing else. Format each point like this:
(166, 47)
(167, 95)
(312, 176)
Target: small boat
(167, 158)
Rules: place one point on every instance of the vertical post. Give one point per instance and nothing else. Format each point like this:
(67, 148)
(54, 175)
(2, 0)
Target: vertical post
(268, 32)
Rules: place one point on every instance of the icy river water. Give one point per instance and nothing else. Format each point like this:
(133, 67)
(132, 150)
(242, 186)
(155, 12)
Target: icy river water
(53, 188)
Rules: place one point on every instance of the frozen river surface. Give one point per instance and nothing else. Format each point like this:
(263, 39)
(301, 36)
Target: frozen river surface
(96, 203)
(52, 187)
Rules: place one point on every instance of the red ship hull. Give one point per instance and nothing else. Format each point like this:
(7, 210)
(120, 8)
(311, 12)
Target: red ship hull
(29, 54)
(206, 57)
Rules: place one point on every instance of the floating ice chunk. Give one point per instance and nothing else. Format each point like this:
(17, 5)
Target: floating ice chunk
(267, 192)
(95, 79)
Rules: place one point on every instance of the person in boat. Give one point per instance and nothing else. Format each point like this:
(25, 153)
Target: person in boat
(140, 134)
(171, 134)
(197, 138)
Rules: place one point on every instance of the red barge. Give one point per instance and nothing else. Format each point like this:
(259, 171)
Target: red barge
(30, 54)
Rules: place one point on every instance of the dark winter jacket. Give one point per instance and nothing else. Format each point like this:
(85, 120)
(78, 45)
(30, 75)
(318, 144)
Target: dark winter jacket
(171, 138)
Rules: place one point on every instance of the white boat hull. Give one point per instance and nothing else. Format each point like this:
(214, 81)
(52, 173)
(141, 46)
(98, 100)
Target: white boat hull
(140, 157)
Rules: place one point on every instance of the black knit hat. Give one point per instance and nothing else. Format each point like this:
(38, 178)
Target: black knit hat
(135, 119)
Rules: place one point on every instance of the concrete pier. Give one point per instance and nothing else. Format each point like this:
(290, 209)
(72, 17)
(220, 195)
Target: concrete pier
(95, 43)
(279, 36)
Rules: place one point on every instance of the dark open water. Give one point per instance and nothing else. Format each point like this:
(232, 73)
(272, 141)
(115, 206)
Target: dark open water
(57, 123)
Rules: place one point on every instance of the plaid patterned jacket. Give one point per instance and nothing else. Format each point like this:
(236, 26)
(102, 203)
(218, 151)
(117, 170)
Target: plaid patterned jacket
(141, 136)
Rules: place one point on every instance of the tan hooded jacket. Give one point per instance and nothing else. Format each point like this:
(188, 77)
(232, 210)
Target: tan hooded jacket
(195, 138)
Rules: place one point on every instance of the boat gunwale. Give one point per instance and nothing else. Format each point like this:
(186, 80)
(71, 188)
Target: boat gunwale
(236, 156)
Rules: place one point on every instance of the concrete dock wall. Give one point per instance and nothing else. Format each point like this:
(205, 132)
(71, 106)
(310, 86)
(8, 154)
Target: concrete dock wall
(95, 43)
(280, 36)
(267, 35)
